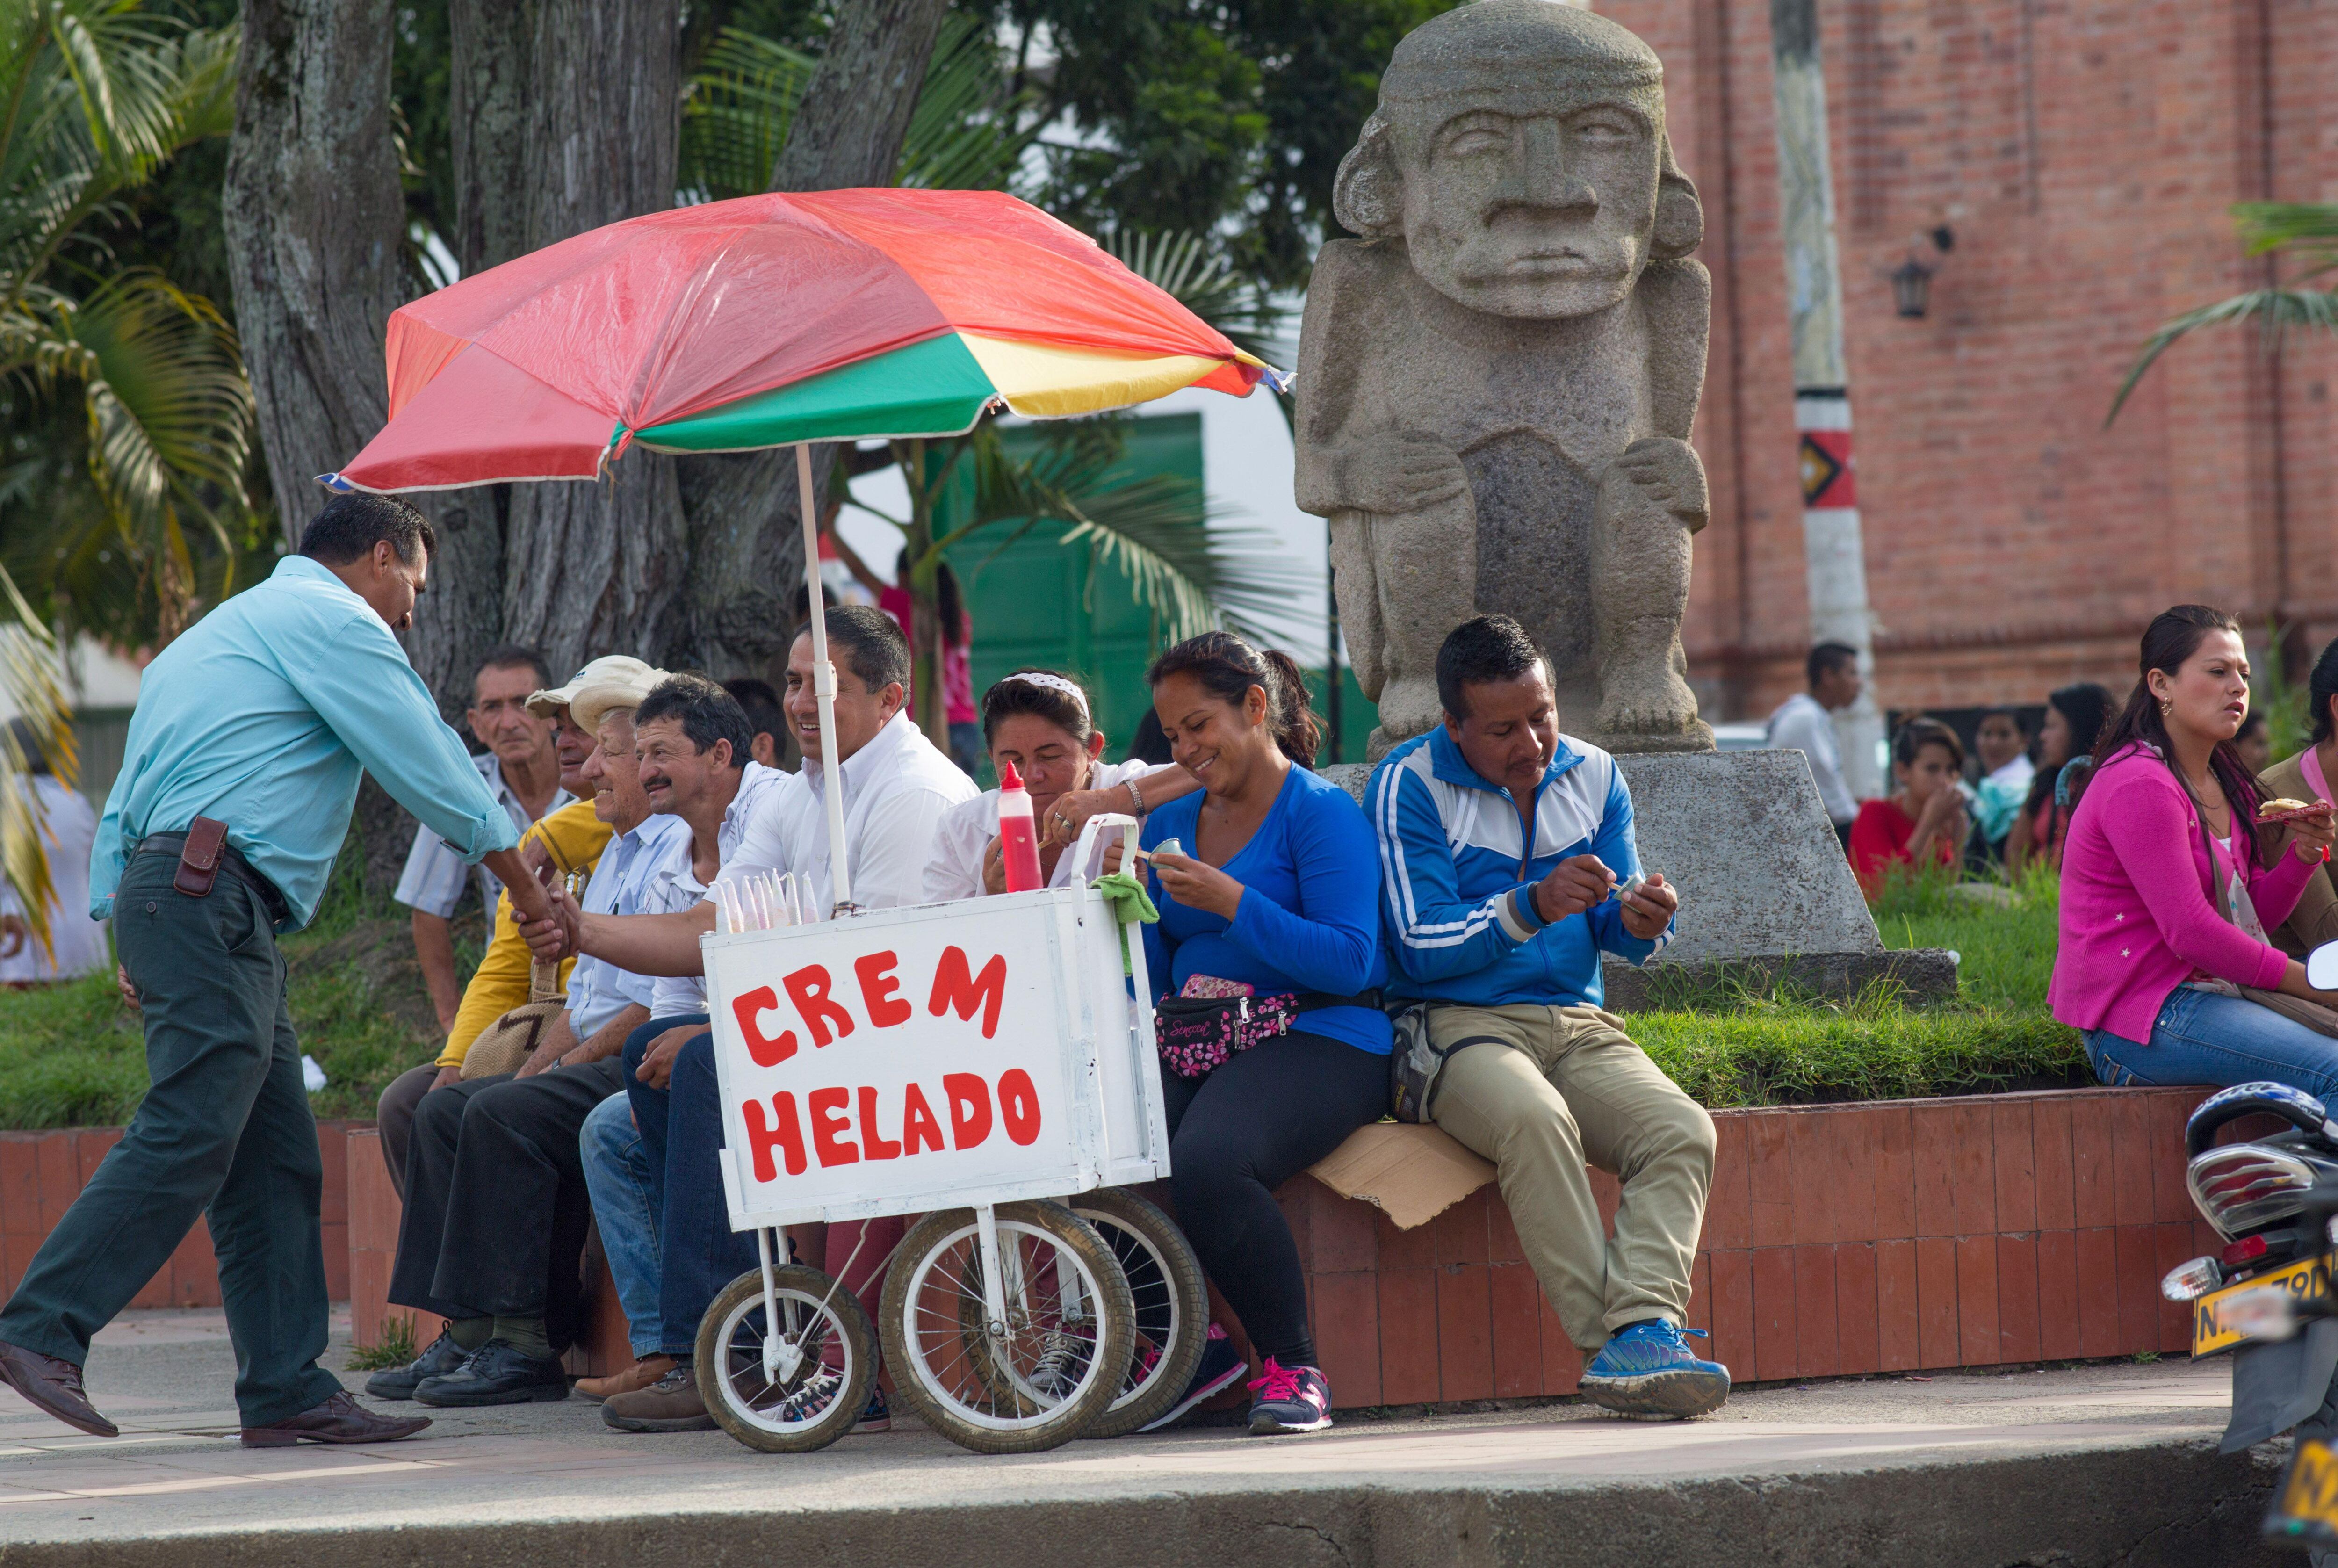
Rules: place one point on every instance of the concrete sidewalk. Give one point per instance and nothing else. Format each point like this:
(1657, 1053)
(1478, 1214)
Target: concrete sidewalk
(2103, 1464)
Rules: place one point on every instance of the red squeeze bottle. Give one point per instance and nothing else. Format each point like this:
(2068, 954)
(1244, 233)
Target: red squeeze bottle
(1018, 840)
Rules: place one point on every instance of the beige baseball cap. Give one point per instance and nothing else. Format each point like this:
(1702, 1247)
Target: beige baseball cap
(607, 668)
(595, 700)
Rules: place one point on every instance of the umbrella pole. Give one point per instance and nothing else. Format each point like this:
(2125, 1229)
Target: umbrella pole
(823, 689)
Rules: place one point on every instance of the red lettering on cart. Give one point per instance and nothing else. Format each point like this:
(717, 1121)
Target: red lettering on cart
(876, 1146)
(877, 988)
(767, 1052)
(829, 1109)
(787, 1134)
(969, 1104)
(955, 985)
(1018, 1105)
(808, 989)
(919, 1128)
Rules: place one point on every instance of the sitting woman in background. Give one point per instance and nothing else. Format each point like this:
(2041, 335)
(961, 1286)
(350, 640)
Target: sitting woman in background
(2167, 883)
(2075, 715)
(1273, 892)
(2001, 745)
(2306, 776)
(1038, 722)
(1921, 823)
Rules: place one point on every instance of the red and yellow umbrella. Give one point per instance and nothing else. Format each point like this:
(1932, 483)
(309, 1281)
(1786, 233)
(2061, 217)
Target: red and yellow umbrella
(772, 320)
(834, 315)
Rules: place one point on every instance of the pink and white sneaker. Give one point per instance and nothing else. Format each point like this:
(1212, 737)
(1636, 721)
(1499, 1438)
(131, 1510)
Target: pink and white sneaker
(1290, 1399)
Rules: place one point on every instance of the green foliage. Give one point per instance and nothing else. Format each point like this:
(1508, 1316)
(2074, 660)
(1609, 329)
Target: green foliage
(2287, 704)
(396, 1347)
(967, 132)
(1768, 1045)
(125, 415)
(72, 1055)
(2305, 229)
(1227, 117)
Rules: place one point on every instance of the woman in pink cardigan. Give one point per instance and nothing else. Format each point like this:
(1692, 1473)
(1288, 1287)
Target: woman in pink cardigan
(2168, 886)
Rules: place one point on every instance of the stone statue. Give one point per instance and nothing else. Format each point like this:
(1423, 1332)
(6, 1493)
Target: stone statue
(1495, 384)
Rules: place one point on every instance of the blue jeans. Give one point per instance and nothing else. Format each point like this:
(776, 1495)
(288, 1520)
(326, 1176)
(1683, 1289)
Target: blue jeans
(626, 1191)
(681, 1138)
(2203, 1038)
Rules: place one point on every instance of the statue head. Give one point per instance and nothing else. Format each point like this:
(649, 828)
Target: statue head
(1519, 150)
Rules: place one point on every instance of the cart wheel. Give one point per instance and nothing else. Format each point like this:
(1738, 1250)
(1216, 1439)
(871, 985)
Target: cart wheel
(1057, 1363)
(1171, 1298)
(792, 1408)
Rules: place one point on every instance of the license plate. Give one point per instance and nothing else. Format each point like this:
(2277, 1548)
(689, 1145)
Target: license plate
(2306, 1280)
(2306, 1507)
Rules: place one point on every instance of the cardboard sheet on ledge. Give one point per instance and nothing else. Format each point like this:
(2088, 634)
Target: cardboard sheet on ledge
(1411, 1172)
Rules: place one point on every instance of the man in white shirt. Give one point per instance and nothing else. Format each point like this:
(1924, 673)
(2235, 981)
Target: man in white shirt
(494, 1227)
(525, 775)
(1802, 722)
(897, 786)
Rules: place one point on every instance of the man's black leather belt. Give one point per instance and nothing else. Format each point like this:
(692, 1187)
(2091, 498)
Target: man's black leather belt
(172, 844)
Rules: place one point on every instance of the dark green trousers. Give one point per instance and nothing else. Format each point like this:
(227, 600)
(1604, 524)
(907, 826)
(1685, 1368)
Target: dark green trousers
(225, 1131)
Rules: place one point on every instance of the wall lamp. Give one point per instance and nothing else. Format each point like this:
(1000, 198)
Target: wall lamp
(1911, 280)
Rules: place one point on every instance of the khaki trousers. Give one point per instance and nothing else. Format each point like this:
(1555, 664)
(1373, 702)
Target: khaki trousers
(1548, 1088)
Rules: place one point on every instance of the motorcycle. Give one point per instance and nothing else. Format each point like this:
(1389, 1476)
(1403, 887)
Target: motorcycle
(2266, 1296)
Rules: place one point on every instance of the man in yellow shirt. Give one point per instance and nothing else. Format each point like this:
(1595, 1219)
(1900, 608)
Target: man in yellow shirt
(568, 839)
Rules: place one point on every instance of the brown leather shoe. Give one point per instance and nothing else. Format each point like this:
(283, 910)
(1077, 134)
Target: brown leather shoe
(671, 1404)
(339, 1419)
(639, 1375)
(54, 1388)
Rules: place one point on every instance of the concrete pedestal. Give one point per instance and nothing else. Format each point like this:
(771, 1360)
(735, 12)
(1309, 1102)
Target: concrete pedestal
(1765, 890)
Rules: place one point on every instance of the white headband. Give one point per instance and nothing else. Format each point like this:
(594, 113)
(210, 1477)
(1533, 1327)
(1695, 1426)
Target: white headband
(1053, 683)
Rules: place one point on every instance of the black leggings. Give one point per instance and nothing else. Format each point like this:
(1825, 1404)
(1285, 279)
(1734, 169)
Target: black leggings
(1242, 1131)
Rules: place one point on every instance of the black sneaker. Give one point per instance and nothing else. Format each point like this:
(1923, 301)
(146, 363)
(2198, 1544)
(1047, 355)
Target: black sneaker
(497, 1374)
(1213, 1376)
(399, 1382)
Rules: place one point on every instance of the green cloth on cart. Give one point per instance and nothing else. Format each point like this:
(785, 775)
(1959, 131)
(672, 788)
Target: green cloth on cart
(1131, 903)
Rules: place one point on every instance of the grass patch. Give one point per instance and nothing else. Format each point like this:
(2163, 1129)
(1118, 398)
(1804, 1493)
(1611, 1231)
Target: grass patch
(394, 1348)
(73, 1056)
(1759, 1044)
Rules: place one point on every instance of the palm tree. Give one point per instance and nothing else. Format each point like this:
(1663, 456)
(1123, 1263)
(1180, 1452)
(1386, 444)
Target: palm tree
(138, 380)
(2306, 230)
(970, 131)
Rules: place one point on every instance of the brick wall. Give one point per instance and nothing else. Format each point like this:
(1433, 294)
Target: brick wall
(2086, 156)
(41, 1173)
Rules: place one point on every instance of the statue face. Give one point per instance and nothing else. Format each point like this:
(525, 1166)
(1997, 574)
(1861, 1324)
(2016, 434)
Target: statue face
(1530, 210)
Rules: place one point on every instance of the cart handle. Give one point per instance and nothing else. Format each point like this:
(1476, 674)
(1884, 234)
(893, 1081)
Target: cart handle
(1088, 855)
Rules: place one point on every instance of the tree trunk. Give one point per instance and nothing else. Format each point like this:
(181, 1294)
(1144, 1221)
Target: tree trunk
(314, 227)
(594, 568)
(748, 532)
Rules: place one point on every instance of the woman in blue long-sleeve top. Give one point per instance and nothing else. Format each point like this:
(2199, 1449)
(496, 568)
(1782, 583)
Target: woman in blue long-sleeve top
(1277, 889)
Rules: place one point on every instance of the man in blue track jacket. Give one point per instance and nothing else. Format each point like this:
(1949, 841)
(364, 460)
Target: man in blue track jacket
(1506, 868)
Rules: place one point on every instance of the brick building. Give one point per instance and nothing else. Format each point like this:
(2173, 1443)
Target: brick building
(2085, 154)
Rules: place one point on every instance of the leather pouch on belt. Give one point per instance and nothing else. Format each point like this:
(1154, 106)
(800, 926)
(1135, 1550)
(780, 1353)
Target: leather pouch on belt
(199, 862)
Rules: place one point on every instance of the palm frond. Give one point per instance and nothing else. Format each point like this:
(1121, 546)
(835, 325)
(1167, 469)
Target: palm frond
(29, 681)
(966, 134)
(2277, 310)
(1157, 529)
(2288, 225)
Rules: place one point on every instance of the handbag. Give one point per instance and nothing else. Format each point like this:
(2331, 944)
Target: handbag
(1416, 1064)
(1212, 1021)
(504, 1045)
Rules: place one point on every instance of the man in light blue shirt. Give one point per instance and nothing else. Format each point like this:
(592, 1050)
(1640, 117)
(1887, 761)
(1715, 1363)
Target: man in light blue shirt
(261, 716)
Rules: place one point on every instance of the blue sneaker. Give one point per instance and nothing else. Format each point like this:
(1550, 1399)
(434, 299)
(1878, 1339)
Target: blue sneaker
(1648, 1370)
(1213, 1374)
(878, 1417)
(1290, 1399)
